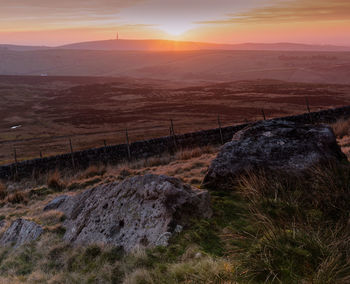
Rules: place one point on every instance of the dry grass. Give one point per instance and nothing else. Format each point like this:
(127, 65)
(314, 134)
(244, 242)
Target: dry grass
(3, 191)
(344, 143)
(51, 218)
(341, 128)
(301, 226)
(140, 275)
(346, 151)
(93, 171)
(342, 131)
(187, 154)
(54, 181)
(18, 197)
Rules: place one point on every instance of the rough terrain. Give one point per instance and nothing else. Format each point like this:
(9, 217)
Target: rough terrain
(48, 111)
(142, 211)
(274, 145)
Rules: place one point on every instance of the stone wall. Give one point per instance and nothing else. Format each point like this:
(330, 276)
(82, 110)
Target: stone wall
(148, 148)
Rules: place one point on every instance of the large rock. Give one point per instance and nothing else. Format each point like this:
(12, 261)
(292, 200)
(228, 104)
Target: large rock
(140, 211)
(56, 202)
(21, 232)
(274, 145)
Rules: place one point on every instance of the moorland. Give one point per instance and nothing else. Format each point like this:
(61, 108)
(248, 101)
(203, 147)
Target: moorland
(41, 113)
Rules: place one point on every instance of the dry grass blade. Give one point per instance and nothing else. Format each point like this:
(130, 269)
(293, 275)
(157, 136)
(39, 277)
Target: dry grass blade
(341, 128)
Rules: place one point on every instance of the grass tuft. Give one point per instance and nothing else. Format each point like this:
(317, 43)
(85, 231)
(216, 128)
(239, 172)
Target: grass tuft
(301, 231)
(341, 128)
(93, 171)
(187, 154)
(3, 191)
(55, 182)
(18, 197)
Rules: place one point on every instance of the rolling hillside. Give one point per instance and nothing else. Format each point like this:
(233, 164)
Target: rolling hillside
(191, 66)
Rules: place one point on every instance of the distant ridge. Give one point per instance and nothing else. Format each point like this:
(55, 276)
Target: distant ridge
(22, 47)
(170, 45)
(145, 45)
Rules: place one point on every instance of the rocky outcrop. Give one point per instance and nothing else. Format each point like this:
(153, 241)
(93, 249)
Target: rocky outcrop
(56, 202)
(140, 211)
(21, 232)
(274, 145)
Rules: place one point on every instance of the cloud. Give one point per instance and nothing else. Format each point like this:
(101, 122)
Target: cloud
(291, 11)
(19, 15)
(62, 6)
(39, 13)
(48, 12)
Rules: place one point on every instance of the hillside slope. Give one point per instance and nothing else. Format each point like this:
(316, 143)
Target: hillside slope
(195, 66)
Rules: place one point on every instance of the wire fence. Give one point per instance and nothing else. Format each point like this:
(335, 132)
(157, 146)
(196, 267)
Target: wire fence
(44, 146)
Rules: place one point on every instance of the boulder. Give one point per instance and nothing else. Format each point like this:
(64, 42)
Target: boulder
(56, 202)
(279, 145)
(140, 211)
(21, 232)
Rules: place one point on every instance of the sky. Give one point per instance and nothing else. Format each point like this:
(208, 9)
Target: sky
(54, 23)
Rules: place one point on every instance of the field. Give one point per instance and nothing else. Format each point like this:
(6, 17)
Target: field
(48, 111)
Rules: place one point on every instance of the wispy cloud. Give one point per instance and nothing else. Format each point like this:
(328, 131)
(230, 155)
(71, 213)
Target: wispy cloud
(64, 6)
(63, 21)
(32, 13)
(291, 11)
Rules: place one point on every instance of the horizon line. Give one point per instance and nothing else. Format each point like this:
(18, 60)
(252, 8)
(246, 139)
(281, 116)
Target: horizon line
(184, 41)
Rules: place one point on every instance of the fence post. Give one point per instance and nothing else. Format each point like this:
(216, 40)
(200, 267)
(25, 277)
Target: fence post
(220, 129)
(71, 152)
(127, 143)
(307, 104)
(263, 113)
(308, 108)
(173, 133)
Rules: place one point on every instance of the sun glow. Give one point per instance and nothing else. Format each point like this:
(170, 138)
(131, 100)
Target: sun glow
(175, 29)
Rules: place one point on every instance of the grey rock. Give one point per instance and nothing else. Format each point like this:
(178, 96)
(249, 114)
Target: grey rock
(275, 145)
(21, 232)
(54, 204)
(140, 211)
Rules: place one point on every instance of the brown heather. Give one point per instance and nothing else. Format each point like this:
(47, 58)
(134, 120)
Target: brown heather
(341, 128)
(54, 181)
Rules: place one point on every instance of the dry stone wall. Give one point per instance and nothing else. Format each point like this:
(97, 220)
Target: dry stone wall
(148, 148)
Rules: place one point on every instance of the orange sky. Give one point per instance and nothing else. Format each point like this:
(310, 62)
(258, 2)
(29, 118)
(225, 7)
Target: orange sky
(45, 22)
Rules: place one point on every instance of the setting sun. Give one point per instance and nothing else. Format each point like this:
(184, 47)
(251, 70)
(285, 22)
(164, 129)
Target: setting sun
(39, 22)
(174, 141)
(175, 29)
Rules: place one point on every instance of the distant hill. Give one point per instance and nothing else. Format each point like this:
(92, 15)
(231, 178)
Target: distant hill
(195, 65)
(144, 45)
(12, 47)
(286, 46)
(170, 45)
